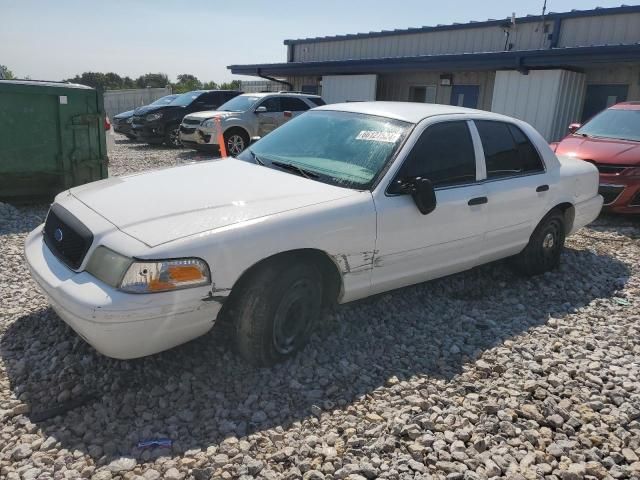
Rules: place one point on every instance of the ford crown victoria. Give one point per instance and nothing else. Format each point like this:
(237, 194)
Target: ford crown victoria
(342, 202)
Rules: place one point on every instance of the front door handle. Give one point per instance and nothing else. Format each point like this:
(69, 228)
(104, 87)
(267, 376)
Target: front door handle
(478, 201)
(542, 188)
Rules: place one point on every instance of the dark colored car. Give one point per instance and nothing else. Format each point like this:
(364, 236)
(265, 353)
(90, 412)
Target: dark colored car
(611, 141)
(122, 121)
(157, 124)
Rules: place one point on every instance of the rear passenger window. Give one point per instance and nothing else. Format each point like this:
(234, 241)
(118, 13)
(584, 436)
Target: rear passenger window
(507, 150)
(291, 104)
(444, 154)
(529, 156)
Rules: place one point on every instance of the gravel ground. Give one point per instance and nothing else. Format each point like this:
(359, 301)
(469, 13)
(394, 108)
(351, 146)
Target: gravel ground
(478, 375)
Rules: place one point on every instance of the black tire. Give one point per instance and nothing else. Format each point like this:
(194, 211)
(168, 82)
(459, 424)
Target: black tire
(276, 310)
(235, 140)
(172, 136)
(545, 246)
(130, 137)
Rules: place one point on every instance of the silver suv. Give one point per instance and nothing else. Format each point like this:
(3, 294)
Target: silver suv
(244, 118)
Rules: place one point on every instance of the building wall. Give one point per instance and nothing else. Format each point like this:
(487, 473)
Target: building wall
(617, 75)
(581, 31)
(396, 87)
(602, 30)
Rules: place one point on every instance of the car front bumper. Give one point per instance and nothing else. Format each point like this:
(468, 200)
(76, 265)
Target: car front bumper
(621, 192)
(150, 132)
(117, 324)
(197, 136)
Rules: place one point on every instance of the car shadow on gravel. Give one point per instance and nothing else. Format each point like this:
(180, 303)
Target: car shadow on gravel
(201, 393)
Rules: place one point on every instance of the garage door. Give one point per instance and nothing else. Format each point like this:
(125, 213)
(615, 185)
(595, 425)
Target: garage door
(349, 88)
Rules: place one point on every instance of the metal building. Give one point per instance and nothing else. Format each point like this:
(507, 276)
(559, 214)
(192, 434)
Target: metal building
(549, 70)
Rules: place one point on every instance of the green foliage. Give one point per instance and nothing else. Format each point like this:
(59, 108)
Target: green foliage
(5, 73)
(112, 81)
(233, 85)
(186, 83)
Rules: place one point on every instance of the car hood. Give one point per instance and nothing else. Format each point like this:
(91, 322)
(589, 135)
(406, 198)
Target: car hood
(601, 150)
(164, 205)
(124, 114)
(212, 113)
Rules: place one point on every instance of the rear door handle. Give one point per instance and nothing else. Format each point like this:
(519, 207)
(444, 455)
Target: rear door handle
(542, 188)
(478, 201)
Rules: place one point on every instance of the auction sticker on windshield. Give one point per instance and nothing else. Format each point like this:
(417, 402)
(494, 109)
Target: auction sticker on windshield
(373, 136)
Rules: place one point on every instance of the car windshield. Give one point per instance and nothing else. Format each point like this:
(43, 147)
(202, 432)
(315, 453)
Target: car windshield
(241, 103)
(341, 148)
(613, 123)
(185, 99)
(165, 100)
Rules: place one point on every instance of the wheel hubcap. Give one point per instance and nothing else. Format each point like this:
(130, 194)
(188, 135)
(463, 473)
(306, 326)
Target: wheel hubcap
(235, 144)
(549, 241)
(293, 317)
(174, 137)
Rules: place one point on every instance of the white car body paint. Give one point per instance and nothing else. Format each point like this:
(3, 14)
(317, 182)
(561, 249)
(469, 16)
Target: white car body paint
(233, 214)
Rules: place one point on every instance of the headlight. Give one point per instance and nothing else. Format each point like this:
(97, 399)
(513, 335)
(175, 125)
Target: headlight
(153, 116)
(108, 266)
(165, 275)
(130, 120)
(211, 123)
(150, 276)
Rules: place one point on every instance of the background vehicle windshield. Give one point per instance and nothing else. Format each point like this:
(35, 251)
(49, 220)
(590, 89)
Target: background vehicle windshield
(241, 103)
(342, 148)
(165, 100)
(614, 123)
(185, 99)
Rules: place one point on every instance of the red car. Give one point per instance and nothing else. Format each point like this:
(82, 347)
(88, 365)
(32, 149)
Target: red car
(611, 141)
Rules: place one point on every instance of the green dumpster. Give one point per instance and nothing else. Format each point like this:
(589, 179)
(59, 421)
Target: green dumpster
(52, 137)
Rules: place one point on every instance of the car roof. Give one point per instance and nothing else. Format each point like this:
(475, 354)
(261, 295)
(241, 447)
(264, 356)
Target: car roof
(626, 106)
(292, 94)
(411, 112)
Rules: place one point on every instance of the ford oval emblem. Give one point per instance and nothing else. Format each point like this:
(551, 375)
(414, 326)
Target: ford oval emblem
(58, 235)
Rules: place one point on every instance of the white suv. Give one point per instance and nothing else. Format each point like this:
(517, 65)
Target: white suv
(244, 118)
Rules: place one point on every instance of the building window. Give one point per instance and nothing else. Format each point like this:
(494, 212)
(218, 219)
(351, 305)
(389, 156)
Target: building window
(422, 93)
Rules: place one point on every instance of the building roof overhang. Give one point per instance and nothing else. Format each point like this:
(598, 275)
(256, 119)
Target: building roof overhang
(570, 58)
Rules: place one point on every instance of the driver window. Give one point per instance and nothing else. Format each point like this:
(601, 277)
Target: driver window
(272, 104)
(444, 154)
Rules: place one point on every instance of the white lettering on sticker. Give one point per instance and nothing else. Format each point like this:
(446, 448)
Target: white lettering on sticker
(373, 136)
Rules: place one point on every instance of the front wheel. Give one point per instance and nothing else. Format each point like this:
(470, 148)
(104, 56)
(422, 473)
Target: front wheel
(542, 253)
(172, 136)
(276, 311)
(235, 141)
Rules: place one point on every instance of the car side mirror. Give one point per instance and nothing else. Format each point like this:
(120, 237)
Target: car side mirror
(574, 127)
(261, 109)
(422, 191)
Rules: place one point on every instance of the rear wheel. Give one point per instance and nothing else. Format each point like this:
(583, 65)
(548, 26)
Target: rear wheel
(545, 246)
(276, 311)
(172, 136)
(236, 141)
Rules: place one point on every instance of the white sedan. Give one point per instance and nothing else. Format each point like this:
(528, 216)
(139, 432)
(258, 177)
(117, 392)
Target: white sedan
(342, 202)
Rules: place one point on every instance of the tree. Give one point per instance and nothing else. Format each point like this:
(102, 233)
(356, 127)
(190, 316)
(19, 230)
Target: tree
(152, 80)
(233, 85)
(186, 82)
(210, 85)
(5, 73)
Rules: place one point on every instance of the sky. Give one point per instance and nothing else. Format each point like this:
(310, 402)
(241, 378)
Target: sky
(57, 39)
